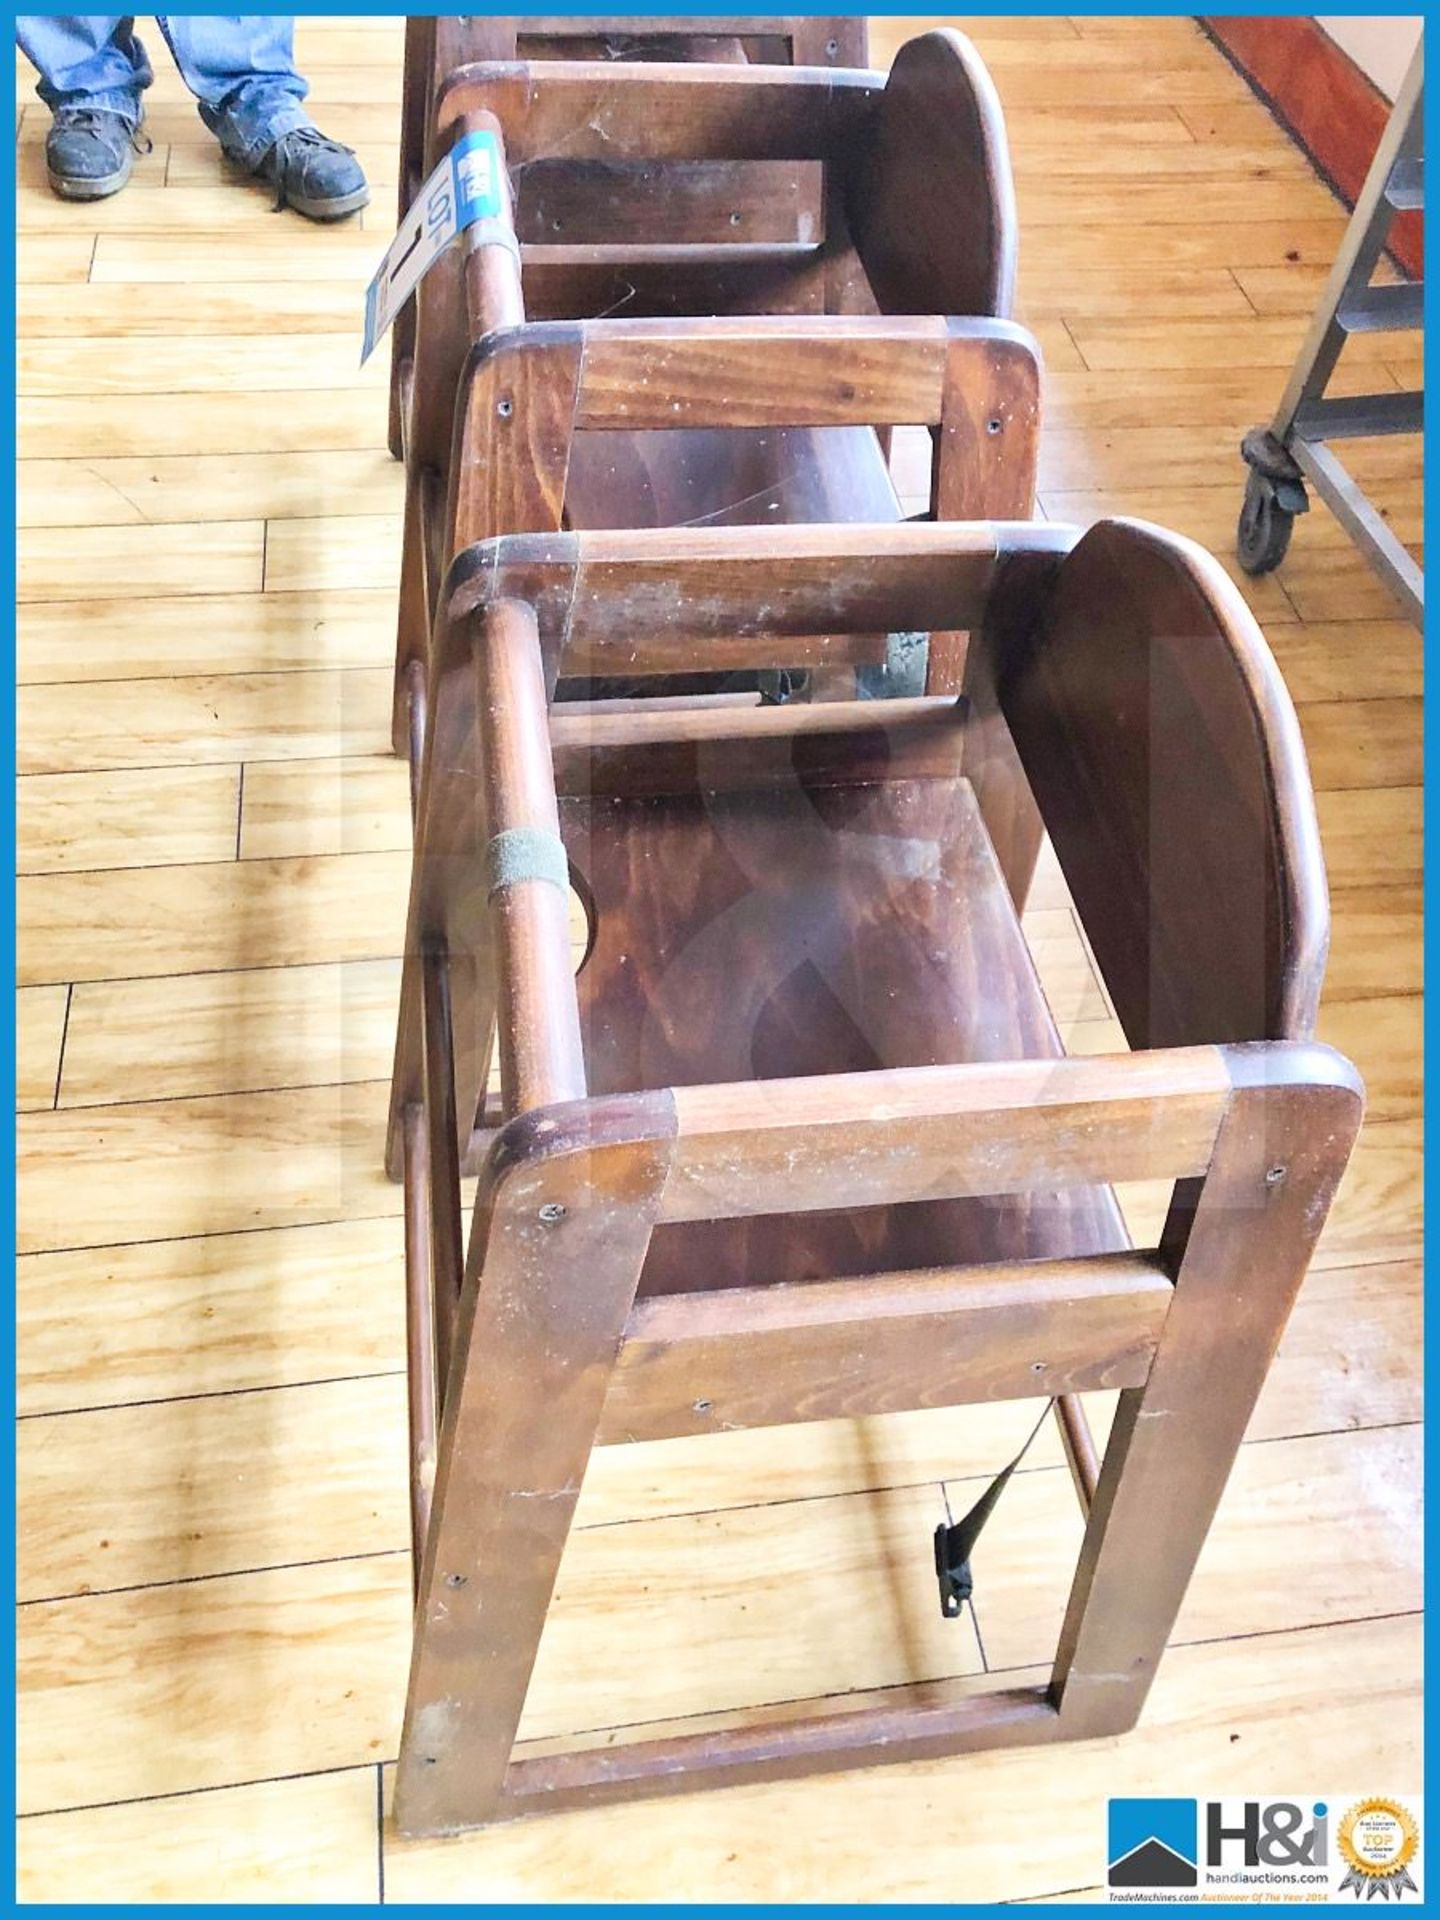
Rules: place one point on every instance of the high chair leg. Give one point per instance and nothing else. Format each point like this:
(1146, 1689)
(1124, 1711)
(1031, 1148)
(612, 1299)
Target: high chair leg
(1279, 1154)
(567, 1219)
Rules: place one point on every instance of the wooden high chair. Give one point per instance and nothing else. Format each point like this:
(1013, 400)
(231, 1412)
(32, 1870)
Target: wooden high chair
(499, 403)
(800, 1140)
(436, 44)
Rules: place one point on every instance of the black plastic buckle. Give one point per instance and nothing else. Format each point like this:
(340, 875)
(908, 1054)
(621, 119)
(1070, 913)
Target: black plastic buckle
(952, 1568)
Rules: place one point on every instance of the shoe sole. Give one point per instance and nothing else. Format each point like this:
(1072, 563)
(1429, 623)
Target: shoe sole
(68, 187)
(329, 209)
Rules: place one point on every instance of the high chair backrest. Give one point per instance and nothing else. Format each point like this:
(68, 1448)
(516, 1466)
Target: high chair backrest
(918, 202)
(436, 44)
(1159, 741)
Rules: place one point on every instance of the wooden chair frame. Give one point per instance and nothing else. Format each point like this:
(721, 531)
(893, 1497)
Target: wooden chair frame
(518, 443)
(435, 45)
(562, 1348)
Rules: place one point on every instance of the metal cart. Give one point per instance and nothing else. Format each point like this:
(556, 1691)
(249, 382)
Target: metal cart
(1294, 450)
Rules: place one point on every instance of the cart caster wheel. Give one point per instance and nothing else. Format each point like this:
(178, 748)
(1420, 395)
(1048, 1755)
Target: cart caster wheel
(1264, 530)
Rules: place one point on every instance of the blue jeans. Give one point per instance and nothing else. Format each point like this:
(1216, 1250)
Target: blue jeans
(240, 67)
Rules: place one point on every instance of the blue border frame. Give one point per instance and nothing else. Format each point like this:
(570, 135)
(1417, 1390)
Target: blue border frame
(1432, 1025)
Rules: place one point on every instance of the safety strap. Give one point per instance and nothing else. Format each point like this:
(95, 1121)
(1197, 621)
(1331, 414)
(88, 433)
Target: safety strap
(955, 1544)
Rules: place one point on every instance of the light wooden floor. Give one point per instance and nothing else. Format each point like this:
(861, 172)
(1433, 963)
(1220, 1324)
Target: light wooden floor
(214, 1632)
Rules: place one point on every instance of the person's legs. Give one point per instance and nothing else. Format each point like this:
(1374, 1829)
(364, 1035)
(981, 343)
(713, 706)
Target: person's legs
(241, 69)
(92, 61)
(93, 71)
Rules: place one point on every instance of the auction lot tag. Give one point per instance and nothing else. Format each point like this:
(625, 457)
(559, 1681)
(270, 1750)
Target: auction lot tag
(464, 188)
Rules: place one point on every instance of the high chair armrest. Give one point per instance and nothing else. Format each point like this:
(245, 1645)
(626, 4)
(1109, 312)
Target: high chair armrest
(924, 1133)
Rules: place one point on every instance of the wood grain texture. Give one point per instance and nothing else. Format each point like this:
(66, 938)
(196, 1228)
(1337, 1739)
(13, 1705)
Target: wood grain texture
(202, 717)
(251, 913)
(164, 1168)
(150, 817)
(1379, 1212)
(40, 1016)
(130, 561)
(156, 639)
(201, 1661)
(221, 363)
(129, 492)
(360, 550)
(129, 426)
(291, 307)
(230, 1032)
(357, 804)
(288, 1840)
(210, 1314)
(189, 1464)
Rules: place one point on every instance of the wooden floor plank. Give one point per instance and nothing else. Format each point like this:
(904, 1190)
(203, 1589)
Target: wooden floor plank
(1386, 1040)
(55, 259)
(288, 307)
(1232, 397)
(1105, 293)
(204, 718)
(1375, 935)
(163, 1168)
(173, 1688)
(1326, 583)
(1259, 341)
(220, 363)
(130, 426)
(201, 487)
(239, 1032)
(360, 804)
(1358, 660)
(150, 817)
(40, 1015)
(1373, 836)
(250, 913)
(289, 1842)
(359, 550)
(101, 563)
(161, 638)
(1352, 1355)
(135, 1496)
(213, 1314)
(332, 254)
(1295, 1516)
(1364, 743)
(1378, 1214)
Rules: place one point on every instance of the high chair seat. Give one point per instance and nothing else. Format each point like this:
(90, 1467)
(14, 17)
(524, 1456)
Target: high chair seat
(766, 906)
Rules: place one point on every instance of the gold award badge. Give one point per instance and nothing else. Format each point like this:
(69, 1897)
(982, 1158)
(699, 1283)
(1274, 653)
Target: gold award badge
(1378, 1840)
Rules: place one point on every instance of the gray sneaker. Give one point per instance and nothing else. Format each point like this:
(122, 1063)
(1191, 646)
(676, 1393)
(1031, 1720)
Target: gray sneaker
(89, 152)
(315, 176)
